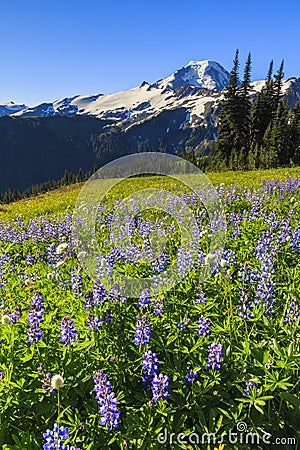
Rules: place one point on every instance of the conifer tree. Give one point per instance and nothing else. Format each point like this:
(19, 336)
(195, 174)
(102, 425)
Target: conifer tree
(244, 115)
(293, 135)
(262, 111)
(278, 78)
(274, 150)
(227, 121)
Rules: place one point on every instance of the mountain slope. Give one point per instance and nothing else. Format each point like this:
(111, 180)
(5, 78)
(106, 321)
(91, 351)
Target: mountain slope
(40, 142)
(197, 87)
(196, 79)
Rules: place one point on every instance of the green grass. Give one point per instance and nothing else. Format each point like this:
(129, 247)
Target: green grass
(55, 203)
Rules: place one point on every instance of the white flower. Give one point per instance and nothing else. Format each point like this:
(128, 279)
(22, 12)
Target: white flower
(57, 382)
(61, 248)
(223, 262)
(5, 319)
(103, 262)
(208, 257)
(59, 263)
(203, 233)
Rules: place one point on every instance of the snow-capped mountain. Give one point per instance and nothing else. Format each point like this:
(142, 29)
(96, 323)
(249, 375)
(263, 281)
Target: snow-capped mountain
(196, 87)
(11, 108)
(201, 74)
(190, 96)
(174, 113)
(193, 85)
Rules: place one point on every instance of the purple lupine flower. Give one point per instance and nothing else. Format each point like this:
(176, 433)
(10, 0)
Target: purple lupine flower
(159, 264)
(191, 376)
(35, 317)
(292, 312)
(150, 367)
(35, 334)
(144, 300)
(105, 266)
(29, 260)
(215, 354)
(54, 438)
(115, 295)
(204, 326)
(250, 390)
(245, 310)
(88, 300)
(160, 385)
(200, 296)
(265, 291)
(94, 322)
(68, 333)
(99, 294)
(47, 383)
(183, 324)
(295, 241)
(76, 282)
(38, 302)
(106, 400)
(250, 387)
(15, 316)
(143, 331)
(2, 376)
(159, 307)
(184, 261)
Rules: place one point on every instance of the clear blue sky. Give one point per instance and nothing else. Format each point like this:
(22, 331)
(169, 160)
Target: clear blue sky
(56, 48)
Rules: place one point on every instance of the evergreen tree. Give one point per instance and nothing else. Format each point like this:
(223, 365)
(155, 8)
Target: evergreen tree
(274, 151)
(244, 116)
(278, 77)
(233, 142)
(228, 118)
(293, 135)
(262, 112)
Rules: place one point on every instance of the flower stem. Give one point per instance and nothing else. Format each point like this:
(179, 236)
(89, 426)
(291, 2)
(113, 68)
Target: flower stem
(58, 417)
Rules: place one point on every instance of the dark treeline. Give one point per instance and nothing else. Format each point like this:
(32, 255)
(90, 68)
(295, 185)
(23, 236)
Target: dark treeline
(259, 133)
(13, 195)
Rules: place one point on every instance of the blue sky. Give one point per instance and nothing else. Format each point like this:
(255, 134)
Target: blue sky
(56, 48)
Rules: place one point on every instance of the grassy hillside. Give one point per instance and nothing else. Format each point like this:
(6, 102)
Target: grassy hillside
(61, 200)
(209, 345)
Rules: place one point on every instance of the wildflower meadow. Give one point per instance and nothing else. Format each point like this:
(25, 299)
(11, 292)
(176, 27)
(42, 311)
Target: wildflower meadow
(83, 366)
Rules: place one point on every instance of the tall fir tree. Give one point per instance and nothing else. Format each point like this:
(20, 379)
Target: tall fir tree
(274, 151)
(233, 142)
(293, 135)
(278, 80)
(244, 115)
(226, 139)
(262, 111)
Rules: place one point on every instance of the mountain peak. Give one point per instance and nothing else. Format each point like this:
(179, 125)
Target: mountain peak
(206, 74)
